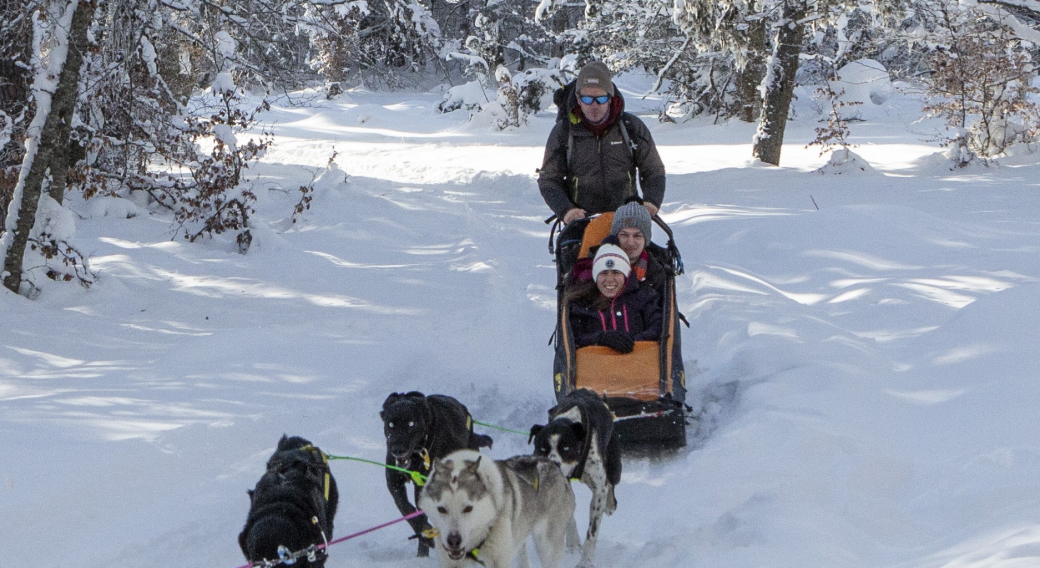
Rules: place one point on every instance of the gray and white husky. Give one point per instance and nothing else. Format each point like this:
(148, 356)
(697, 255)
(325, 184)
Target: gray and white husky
(484, 510)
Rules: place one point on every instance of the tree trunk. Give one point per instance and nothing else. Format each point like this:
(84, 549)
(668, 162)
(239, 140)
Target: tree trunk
(51, 146)
(64, 104)
(750, 77)
(779, 84)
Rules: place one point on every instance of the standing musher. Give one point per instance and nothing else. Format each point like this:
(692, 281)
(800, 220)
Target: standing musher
(598, 155)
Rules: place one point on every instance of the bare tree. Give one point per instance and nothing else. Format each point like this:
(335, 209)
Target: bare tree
(46, 157)
(778, 85)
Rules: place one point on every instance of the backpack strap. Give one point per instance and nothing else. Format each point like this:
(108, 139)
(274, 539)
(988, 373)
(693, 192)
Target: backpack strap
(623, 124)
(570, 143)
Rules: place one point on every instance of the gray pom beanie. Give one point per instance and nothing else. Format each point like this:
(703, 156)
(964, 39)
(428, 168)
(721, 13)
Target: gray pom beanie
(632, 215)
(595, 74)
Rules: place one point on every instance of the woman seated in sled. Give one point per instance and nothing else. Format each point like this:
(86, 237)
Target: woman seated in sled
(613, 309)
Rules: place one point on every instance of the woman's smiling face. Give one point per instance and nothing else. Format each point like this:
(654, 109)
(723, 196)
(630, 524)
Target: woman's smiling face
(610, 283)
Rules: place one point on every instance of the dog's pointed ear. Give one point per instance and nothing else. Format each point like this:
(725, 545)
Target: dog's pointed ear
(579, 430)
(475, 466)
(534, 432)
(554, 411)
(390, 400)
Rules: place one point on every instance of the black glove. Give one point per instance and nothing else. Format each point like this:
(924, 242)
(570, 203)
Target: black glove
(617, 340)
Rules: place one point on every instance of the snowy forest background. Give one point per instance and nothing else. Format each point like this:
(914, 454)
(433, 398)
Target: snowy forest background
(226, 221)
(110, 97)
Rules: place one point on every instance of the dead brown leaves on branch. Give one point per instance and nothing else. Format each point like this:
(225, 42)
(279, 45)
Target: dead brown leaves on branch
(981, 86)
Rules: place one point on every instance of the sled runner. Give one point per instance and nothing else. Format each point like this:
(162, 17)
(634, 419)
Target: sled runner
(645, 389)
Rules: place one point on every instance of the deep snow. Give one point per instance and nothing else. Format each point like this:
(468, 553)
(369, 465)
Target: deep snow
(862, 349)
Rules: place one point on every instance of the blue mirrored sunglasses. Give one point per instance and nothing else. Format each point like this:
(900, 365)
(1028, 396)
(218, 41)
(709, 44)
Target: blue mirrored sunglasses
(602, 100)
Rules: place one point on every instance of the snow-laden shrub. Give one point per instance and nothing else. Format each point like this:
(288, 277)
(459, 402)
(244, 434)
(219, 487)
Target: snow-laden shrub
(518, 96)
(863, 82)
(469, 96)
(508, 100)
(215, 200)
(981, 85)
(535, 88)
(843, 161)
(50, 253)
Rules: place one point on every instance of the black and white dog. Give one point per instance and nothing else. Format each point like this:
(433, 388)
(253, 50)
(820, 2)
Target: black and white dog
(292, 507)
(580, 438)
(420, 430)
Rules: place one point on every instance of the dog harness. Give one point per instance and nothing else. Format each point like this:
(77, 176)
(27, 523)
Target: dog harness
(285, 556)
(324, 467)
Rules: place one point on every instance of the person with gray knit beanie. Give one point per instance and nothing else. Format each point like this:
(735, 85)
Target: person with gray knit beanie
(597, 155)
(631, 228)
(632, 214)
(593, 75)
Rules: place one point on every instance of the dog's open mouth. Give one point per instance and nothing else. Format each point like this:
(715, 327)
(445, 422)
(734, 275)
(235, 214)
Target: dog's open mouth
(455, 554)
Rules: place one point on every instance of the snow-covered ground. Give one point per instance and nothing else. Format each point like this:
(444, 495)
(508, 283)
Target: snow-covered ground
(863, 347)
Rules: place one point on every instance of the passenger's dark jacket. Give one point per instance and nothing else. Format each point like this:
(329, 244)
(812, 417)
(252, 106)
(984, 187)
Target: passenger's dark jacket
(602, 170)
(636, 311)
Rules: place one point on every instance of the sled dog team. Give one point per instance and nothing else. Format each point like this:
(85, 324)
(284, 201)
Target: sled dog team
(477, 511)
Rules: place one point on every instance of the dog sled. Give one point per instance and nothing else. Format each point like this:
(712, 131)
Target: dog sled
(645, 389)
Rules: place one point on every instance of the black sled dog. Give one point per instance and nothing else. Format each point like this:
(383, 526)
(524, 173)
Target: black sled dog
(581, 439)
(292, 507)
(419, 430)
